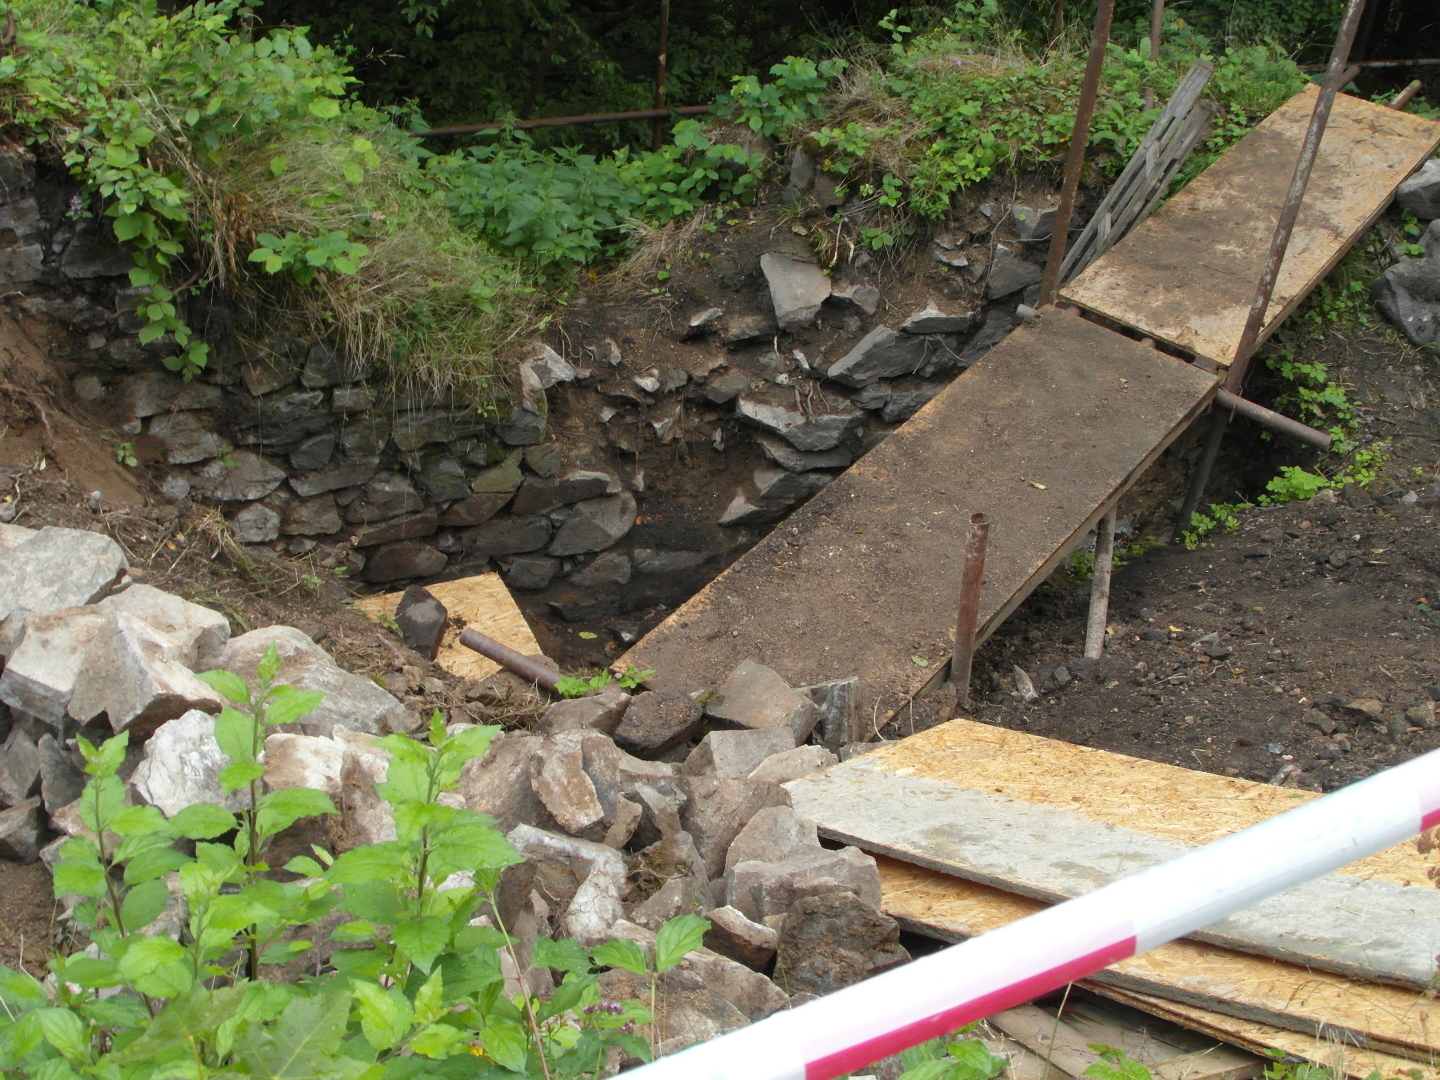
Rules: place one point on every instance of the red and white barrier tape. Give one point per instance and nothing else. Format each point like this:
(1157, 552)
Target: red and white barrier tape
(1006, 967)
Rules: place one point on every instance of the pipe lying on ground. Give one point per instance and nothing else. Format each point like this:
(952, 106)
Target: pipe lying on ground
(972, 578)
(524, 666)
(1100, 587)
(940, 993)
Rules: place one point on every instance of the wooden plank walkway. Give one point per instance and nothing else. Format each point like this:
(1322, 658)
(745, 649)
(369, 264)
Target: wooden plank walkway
(1051, 820)
(1043, 434)
(1187, 275)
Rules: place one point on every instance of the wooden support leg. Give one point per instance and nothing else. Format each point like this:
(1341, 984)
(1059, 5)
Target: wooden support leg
(1100, 587)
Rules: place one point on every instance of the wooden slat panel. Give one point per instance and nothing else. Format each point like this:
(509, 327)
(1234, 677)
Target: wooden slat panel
(1316, 1004)
(1187, 275)
(1043, 433)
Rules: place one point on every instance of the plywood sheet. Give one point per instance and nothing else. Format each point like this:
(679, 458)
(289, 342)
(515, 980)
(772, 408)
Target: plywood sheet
(1187, 275)
(920, 800)
(481, 603)
(1345, 1060)
(1042, 433)
(1316, 1004)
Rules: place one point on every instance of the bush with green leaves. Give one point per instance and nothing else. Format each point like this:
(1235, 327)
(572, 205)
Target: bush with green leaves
(180, 925)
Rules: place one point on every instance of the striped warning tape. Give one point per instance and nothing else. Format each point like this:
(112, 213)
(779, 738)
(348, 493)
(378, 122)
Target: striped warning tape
(1006, 967)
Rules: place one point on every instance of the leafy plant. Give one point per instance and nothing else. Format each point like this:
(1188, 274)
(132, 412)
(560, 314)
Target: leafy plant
(572, 686)
(634, 678)
(306, 257)
(1221, 516)
(795, 94)
(1115, 1064)
(944, 1059)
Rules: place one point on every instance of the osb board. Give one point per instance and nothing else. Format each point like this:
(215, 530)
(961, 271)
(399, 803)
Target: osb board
(1042, 433)
(1252, 988)
(1346, 1060)
(1113, 789)
(938, 800)
(474, 603)
(1187, 275)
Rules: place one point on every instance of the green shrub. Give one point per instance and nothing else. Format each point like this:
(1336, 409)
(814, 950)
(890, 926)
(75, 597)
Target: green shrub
(417, 982)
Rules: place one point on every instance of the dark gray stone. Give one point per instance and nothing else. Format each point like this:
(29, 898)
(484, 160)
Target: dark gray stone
(864, 297)
(727, 387)
(1033, 222)
(508, 536)
(905, 403)
(21, 264)
(576, 605)
(610, 568)
(365, 435)
(834, 940)
(405, 527)
(22, 218)
(93, 252)
(551, 368)
(313, 454)
(342, 474)
(1009, 272)
(525, 424)
(595, 525)
(933, 321)
(317, 516)
(17, 173)
(787, 457)
(781, 485)
(873, 396)
(153, 392)
(324, 366)
(274, 369)
(62, 778)
(348, 399)
(19, 768)
(474, 509)
(999, 321)
(282, 410)
(256, 524)
(797, 289)
(1420, 193)
(405, 559)
(881, 354)
(817, 432)
(657, 720)
(747, 508)
(544, 459)
(443, 478)
(20, 831)
(1409, 295)
(500, 479)
(740, 328)
(413, 430)
(650, 561)
(246, 478)
(530, 571)
(421, 619)
(387, 495)
(187, 438)
(539, 496)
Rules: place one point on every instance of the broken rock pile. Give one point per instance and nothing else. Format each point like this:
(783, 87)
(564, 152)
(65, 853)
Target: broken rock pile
(1409, 292)
(628, 810)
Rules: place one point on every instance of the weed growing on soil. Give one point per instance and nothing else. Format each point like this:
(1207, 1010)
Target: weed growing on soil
(573, 686)
(951, 1059)
(174, 973)
(1222, 516)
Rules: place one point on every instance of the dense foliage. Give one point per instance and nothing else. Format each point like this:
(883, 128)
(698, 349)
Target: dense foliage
(180, 926)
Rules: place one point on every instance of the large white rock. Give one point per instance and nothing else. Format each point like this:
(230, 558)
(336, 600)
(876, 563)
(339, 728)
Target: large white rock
(197, 630)
(596, 905)
(137, 677)
(293, 761)
(58, 568)
(182, 767)
(40, 672)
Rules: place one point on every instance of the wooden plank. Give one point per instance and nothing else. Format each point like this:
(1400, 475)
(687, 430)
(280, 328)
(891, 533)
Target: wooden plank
(1043, 433)
(923, 801)
(1187, 275)
(1260, 1038)
(1167, 1049)
(482, 602)
(1318, 1005)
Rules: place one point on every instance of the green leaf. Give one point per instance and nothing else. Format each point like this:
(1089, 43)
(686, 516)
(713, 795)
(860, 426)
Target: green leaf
(270, 662)
(438, 1041)
(186, 1018)
(278, 164)
(680, 935)
(91, 973)
(371, 863)
(563, 955)
(64, 1031)
(324, 107)
(430, 999)
(384, 1015)
(227, 683)
(235, 734)
(203, 821)
(286, 704)
(143, 904)
(281, 809)
(352, 172)
(300, 1046)
(82, 879)
(620, 953)
(972, 1060)
(919, 661)
(138, 821)
(239, 773)
(507, 1044)
(588, 635)
(422, 939)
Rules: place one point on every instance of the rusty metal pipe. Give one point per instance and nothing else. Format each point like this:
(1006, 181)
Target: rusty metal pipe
(1219, 421)
(523, 666)
(1403, 98)
(972, 577)
(1157, 27)
(1100, 586)
(1273, 420)
(565, 121)
(1280, 240)
(1079, 138)
(661, 59)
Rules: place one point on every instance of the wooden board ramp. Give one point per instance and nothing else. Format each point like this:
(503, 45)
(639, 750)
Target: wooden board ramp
(963, 798)
(1187, 275)
(1043, 433)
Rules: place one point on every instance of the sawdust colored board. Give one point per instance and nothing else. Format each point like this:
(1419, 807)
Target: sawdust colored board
(1042, 433)
(481, 602)
(1285, 1006)
(1187, 275)
(939, 799)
